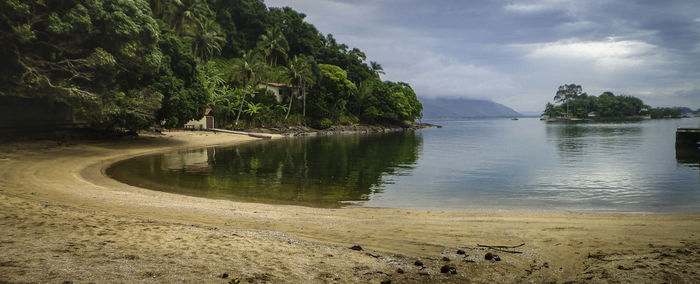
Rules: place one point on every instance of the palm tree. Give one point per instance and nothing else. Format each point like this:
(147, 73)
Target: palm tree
(248, 68)
(184, 14)
(274, 44)
(376, 68)
(206, 39)
(157, 7)
(300, 71)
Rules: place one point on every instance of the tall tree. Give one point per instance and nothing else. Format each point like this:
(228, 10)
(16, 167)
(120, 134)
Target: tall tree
(98, 56)
(376, 68)
(206, 39)
(185, 14)
(568, 92)
(300, 71)
(179, 80)
(364, 94)
(274, 45)
(301, 36)
(242, 21)
(157, 8)
(248, 68)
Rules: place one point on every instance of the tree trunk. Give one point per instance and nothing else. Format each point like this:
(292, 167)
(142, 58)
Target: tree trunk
(240, 109)
(289, 109)
(303, 91)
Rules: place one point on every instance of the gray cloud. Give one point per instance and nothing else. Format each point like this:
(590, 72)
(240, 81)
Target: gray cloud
(519, 52)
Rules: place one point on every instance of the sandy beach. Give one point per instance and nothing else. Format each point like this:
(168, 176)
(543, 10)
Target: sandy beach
(63, 220)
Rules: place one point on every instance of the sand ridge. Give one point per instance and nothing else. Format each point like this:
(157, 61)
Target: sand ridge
(64, 220)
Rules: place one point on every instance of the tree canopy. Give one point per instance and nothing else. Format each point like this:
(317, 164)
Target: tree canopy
(133, 64)
(576, 103)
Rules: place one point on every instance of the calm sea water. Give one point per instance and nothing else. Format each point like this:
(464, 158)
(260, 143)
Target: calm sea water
(500, 164)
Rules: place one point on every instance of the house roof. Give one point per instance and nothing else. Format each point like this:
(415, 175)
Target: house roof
(208, 111)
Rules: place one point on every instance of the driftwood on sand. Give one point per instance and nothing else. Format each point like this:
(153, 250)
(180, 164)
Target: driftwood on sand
(503, 248)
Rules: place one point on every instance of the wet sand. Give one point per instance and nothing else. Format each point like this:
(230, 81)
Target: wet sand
(62, 220)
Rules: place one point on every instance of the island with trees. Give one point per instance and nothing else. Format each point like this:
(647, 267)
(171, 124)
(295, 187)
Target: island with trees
(131, 65)
(572, 103)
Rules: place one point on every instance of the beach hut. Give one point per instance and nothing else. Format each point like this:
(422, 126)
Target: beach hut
(206, 122)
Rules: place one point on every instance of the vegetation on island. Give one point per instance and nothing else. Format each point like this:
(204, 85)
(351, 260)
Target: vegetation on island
(570, 101)
(134, 64)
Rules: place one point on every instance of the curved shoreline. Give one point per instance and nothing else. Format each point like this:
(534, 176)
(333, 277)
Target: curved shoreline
(62, 213)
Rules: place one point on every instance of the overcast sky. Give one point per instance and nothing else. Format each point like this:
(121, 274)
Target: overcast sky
(518, 52)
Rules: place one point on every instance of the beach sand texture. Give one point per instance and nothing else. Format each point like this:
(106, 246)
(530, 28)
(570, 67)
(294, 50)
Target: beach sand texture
(62, 220)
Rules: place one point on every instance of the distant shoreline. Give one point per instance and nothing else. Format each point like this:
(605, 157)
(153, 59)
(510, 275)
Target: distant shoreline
(628, 118)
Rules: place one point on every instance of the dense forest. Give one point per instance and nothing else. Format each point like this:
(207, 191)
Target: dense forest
(574, 103)
(138, 63)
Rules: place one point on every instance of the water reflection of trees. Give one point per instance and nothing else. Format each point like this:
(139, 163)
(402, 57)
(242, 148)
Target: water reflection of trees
(573, 139)
(319, 171)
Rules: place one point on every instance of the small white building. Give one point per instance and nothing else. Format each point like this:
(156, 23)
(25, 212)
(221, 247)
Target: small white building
(279, 89)
(206, 122)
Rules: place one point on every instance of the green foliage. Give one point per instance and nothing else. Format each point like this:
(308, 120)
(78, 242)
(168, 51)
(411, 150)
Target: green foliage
(337, 78)
(324, 123)
(182, 15)
(332, 93)
(242, 21)
(393, 102)
(274, 45)
(96, 55)
(302, 37)
(301, 74)
(567, 93)
(205, 38)
(132, 64)
(184, 93)
(132, 111)
(377, 68)
(552, 111)
(578, 104)
(665, 112)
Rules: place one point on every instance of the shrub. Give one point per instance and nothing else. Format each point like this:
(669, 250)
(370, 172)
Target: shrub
(323, 123)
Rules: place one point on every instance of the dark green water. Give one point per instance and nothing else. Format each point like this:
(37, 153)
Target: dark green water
(469, 164)
(320, 171)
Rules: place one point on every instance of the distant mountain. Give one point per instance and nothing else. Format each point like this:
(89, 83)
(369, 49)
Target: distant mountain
(462, 107)
(687, 110)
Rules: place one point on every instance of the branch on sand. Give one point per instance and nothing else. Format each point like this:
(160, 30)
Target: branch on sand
(503, 248)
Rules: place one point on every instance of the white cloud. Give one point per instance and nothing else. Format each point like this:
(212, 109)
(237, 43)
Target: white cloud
(447, 55)
(535, 7)
(611, 54)
(435, 75)
(527, 8)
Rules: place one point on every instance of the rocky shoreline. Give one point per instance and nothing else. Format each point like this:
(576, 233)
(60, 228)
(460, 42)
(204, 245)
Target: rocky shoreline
(342, 129)
(595, 119)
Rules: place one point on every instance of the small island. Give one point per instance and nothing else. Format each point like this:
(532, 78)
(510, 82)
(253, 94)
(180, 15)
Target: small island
(575, 104)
